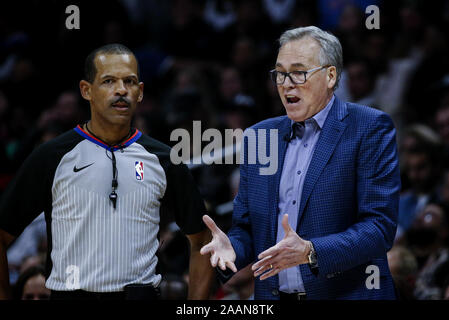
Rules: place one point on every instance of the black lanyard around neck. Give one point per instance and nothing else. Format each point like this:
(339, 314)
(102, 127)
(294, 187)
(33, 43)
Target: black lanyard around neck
(113, 195)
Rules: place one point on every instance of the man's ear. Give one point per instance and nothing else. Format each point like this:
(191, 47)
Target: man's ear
(331, 77)
(140, 98)
(85, 89)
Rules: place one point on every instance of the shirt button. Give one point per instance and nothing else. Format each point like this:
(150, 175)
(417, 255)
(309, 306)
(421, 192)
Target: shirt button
(298, 172)
(294, 202)
(306, 145)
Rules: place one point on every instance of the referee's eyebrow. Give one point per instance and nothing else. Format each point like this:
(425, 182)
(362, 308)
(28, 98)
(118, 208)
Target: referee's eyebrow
(114, 77)
(132, 77)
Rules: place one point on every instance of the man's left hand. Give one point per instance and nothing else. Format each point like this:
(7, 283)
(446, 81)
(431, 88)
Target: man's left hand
(291, 251)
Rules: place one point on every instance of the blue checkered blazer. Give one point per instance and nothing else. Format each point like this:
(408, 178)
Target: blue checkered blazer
(348, 207)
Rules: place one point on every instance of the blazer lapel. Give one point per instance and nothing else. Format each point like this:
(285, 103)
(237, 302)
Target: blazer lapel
(274, 180)
(330, 135)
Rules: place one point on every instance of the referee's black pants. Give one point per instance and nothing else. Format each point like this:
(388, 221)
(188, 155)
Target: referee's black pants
(134, 293)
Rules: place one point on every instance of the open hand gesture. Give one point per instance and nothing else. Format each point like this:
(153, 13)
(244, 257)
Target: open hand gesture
(220, 248)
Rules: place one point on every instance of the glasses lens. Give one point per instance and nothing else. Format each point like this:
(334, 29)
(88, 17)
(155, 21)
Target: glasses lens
(276, 77)
(298, 77)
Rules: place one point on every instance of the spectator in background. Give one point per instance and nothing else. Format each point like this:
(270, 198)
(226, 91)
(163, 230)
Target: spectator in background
(428, 233)
(230, 86)
(403, 267)
(237, 108)
(32, 261)
(428, 240)
(251, 22)
(279, 11)
(442, 125)
(188, 99)
(442, 120)
(412, 137)
(187, 35)
(245, 59)
(431, 68)
(406, 48)
(31, 243)
(63, 115)
(361, 81)
(303, 15)
(219, 13)
(444, 192)
(351, 30)
(421, 173)
(22, 79)
(388, 76)
(31, 285)
(6, 165)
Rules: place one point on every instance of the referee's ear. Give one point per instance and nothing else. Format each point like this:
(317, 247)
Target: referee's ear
(85, 87)
(140, 98)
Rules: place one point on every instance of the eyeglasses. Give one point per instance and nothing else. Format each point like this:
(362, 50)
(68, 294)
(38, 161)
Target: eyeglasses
(296, 77)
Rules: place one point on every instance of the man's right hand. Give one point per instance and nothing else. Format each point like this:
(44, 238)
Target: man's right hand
(220, 248)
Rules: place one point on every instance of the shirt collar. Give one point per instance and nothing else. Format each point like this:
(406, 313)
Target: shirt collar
(134, 137)
(321, 116)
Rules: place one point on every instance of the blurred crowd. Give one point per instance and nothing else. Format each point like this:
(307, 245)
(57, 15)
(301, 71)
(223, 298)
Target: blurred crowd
(208, 60)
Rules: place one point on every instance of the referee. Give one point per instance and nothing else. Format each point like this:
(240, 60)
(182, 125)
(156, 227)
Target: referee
(103, 187)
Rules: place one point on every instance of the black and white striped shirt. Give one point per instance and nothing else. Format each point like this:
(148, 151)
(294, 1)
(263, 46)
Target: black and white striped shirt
(69, 178)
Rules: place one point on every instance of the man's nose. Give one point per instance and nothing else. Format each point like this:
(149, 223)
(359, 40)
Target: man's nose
(120, 88)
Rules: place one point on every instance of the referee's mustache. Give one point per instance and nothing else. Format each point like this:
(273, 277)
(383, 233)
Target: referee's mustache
(121, 100)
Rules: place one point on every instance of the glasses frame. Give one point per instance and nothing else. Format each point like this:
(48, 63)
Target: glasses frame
(274, 72)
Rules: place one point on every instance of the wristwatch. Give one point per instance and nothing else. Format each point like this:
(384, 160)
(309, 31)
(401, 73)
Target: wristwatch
(313, 262)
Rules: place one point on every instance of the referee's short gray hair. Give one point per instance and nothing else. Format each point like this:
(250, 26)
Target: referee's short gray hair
(331, 52)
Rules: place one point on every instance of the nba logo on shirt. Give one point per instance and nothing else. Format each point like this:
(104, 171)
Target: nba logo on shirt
(139, 170)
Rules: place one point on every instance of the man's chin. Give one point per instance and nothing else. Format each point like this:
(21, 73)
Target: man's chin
(295, 116)
(120, 120)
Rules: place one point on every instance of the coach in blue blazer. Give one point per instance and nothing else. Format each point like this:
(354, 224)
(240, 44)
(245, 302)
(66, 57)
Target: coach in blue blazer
(320, 226)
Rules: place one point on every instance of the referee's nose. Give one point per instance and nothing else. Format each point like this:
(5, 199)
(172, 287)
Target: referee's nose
(120, 88)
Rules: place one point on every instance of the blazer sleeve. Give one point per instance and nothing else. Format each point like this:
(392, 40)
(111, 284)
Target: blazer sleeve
(378, 186)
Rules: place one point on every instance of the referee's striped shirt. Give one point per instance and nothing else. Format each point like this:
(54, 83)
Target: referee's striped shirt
(91, 245)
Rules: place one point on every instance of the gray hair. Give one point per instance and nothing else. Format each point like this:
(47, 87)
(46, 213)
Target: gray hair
(331, 52)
